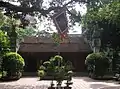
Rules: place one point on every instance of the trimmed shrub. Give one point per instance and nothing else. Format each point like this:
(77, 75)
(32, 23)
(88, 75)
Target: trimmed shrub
(97, 64)
(13, 64)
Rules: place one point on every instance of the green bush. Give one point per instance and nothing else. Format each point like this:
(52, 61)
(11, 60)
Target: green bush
(13, 64)
(97, 64)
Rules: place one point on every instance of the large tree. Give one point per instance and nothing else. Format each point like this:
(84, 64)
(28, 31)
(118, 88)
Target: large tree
(104, 23)
(45, 8)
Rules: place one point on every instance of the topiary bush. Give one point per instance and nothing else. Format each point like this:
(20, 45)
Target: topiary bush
(13, 64)
(97, 64)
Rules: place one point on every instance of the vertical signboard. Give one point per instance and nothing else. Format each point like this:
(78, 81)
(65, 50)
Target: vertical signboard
(61, 23)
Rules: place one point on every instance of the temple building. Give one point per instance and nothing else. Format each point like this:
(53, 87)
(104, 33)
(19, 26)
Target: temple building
(37, 49)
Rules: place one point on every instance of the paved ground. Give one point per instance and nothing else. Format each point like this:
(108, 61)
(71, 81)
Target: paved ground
(78, 83)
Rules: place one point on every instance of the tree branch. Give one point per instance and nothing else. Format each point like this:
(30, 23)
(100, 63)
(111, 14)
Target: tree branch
(16, 8)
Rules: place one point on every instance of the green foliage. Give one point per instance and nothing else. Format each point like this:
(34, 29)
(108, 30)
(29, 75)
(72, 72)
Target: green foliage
(105, 21)
(41, 73)
(57, 38)
(42, 68)
(57, 68)
(4, 42)
(68, 66)
(13, 64)
(109, 12)
(4, 73)
(21, 33)
(97, 64)
(57, 60)
(91, 58)
(46, 63)
(2, 18)
(11, 27)
(6, 23)
(4, 45)
(49, 65)
(60, 74)
(26, 5)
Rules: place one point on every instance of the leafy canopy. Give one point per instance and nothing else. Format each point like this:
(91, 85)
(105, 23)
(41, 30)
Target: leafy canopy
(47, 8)
(105, 22)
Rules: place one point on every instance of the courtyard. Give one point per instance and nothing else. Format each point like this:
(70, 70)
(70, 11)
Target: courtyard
(78, 83)
(45, 43)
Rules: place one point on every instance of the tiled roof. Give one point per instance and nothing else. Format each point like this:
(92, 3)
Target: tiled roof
(45, 44)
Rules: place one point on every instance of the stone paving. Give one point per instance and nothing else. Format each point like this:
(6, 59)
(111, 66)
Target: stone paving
(78, 83)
